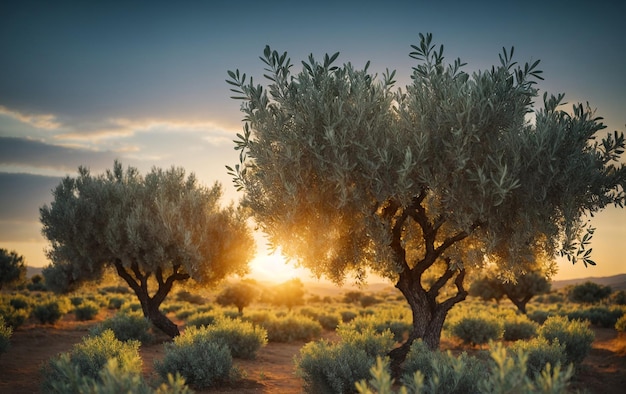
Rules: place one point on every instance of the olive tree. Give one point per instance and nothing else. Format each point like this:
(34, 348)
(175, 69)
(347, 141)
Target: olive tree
(154, 231)
(12, 268)
(520, 291)
(348, 174)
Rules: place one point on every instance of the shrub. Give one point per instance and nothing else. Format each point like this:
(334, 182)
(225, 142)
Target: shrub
(13, 318)
(87, 311)
(477, 330)
(381, 322)
(242, 338)
(63, 373)
(116, 302)
(291, 328)
(113, 380)
(619, 297)
(335, 367)
(519, 327)
(539, 352)
(442, 372)
(76, 301)
(589, 293)
(184, 295)
(48, 313)
(328, 322)
(126, 327)
(5, 336)
(539, 316)
(19, 302)
(36, 283)
(202, 362)
(369, 300)
(620, 325)
(114, 290)
(202, 319)
(598, 316)
(575, 335)
(347, 316)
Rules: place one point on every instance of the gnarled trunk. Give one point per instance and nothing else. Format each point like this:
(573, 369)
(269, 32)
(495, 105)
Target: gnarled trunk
(150, 305)
(428, 314)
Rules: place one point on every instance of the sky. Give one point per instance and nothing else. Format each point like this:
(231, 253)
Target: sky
(88, 82)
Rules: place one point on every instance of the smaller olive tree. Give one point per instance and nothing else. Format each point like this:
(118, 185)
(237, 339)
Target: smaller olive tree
(289, 293)
(12, 268)
(240, 295)
(153, 231)
(589, 293)
(520, 292)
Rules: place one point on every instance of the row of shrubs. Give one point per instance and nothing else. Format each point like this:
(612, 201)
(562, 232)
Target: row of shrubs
(547, 360)
(108, 358)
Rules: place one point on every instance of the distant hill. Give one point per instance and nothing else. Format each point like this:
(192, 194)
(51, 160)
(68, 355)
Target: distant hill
(617, 282)
(32, 271)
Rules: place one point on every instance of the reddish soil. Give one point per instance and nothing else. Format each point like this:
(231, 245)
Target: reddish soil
(603, 371)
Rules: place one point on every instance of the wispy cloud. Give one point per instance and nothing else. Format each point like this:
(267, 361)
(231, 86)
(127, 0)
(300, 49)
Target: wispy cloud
(40, 121)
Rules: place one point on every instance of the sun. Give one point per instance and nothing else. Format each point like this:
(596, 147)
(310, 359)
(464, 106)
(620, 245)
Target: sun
(272, 266)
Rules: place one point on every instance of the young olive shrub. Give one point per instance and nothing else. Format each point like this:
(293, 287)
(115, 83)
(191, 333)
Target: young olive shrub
(86, 311)
(5, 335)
(49, 312)
(519, 327)
(64, 373)
(243, 339)
(291, 328)
(19, 302)
(200, 319)
(203, 362)
(620, 324)
(599, 316)
(575, 335)
(126, 327)
(329, 367)
(539, 353)
(477, 330)
(442, 372)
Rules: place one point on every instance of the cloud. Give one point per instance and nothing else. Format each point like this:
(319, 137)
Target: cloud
(23, 194)
(23, 152)
(45, 121)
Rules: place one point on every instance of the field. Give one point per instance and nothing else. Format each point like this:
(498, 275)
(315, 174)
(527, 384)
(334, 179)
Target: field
(272, 370)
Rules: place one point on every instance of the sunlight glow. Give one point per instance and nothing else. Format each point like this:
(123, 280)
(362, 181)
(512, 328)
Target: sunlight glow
(272, 266)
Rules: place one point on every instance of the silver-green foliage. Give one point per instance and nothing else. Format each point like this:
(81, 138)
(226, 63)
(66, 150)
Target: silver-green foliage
(329, 367)
(442, 372)
(291, 328)
(507, 374)
(574, 335)
(540, 352)
(64, 373)
(126, 326)
(242, 338)
(198, 358)
(5, 336)
(478, 330)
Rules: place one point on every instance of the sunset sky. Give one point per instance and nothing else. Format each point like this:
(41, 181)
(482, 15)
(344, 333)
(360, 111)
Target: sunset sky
(86, 82)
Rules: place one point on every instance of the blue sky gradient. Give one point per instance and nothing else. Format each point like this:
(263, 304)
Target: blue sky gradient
(83, 83)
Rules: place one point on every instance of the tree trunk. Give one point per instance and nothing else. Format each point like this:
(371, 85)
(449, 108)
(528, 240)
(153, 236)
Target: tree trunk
(159, 320)
(428, 316)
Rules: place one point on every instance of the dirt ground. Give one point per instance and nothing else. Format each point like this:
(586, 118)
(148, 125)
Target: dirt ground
(603, 371)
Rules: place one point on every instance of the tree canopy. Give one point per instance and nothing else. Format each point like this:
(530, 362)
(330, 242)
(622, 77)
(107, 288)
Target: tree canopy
(520, 291)
(346, 173)
(12, 268)
(153, 230)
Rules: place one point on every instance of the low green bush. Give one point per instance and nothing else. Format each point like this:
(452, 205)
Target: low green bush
(19, 302)
(5, 336)
(620, 324)
(477, 330)
(329, 367)
(539, 352)
(86, 311)
(195, 356)
(202, 319)
(76, 301)
(442, 372)
(328, 321)
(114, 380)
(291, 328)
(116, 302)
(48, 313)
(507, 374)
(519, 327)
(574, 335)
(599, 316)
(243, 339)
(539, 316)
(381, 322)
(64, 373)
(126, 327)
(347, 316)
(13, 318)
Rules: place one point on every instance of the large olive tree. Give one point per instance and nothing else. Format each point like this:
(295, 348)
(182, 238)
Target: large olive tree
(12, 268)
(348, 174)
(153, 230)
